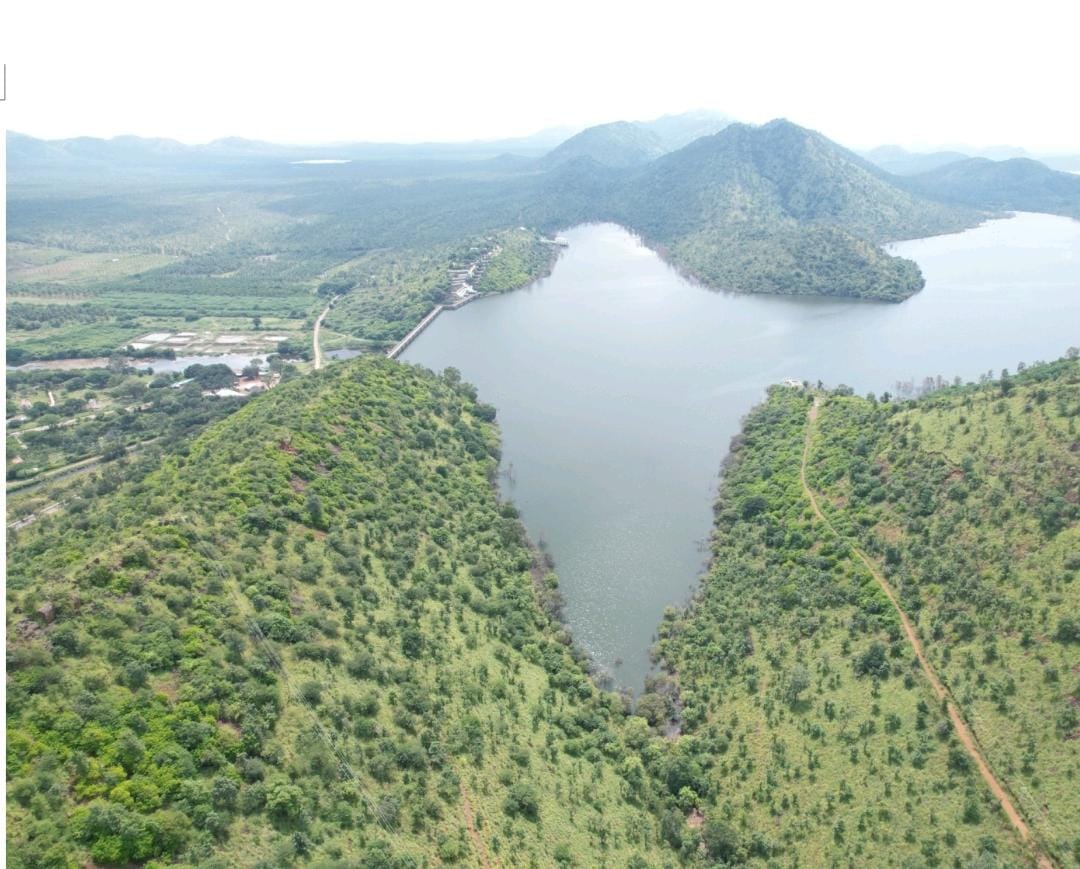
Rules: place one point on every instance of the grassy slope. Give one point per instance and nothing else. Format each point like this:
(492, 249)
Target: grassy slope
(859, 766)
(969, 500)
(326, 576)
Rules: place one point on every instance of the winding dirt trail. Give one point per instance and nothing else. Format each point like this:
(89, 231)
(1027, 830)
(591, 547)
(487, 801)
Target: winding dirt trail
(470, 825)
(963, 732)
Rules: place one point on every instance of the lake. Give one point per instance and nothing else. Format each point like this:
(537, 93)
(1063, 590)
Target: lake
(619, 385)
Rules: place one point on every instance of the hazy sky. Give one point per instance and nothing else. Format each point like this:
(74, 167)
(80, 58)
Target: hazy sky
(864, 73)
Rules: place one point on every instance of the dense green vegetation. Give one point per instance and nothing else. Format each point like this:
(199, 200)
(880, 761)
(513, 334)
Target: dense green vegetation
(969, 501)
(518, 258)
(759, 257)
(90, 269)
(1019, 184)
(780, 208)
(312, 634)
(813, 731)
(385, 293)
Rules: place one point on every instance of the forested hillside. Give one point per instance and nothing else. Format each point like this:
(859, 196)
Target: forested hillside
(618, 144)
(1019, 184)
(781, 209)
(815, 728)
(314, 635)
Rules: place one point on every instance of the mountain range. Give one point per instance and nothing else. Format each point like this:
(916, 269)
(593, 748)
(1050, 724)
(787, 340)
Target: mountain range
(776, 208)
(1019, 184)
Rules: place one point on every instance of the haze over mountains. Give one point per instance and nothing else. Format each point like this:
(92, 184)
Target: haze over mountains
(775, 208)
(1019, 184)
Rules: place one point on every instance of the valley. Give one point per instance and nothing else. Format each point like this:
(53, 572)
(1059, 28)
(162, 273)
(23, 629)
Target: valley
(270, 605)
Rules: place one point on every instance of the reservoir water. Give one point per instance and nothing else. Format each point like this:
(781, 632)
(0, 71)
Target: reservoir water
(619, 385)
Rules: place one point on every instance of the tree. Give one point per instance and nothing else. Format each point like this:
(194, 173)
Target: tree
(522, 800)
(1068, 631)
(720, 840)
(752, 506)
(798, 680)
(653, 708)
(285, 801)
(216, 376)
(872, 662)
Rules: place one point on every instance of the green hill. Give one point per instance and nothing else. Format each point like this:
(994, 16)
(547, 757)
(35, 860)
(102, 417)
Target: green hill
(819, 730)
(780, 209)
(1019, 184)
(618, 144)
(314, 635)
(143, 232)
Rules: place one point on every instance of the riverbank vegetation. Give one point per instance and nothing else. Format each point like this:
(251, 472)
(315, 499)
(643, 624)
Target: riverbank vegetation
(384, 294)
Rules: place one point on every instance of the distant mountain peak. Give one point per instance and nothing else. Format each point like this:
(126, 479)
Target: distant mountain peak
(618, 144)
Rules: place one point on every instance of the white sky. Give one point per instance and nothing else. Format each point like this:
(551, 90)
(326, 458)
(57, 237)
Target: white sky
(911, 72)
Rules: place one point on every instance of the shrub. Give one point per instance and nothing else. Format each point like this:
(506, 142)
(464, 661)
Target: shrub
(523, 801)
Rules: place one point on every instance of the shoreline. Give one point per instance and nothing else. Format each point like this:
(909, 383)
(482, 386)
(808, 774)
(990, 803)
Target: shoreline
(429, 318)
(397, 349)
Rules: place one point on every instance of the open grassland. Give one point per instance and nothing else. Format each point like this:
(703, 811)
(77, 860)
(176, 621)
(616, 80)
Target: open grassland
(31, 265)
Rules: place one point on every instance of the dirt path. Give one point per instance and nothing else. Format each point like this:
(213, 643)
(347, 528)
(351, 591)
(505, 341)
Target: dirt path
(470, 825)
(315, 337)
(963, 732)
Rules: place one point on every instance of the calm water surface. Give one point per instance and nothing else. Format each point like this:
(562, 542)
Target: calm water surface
(619, 385)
